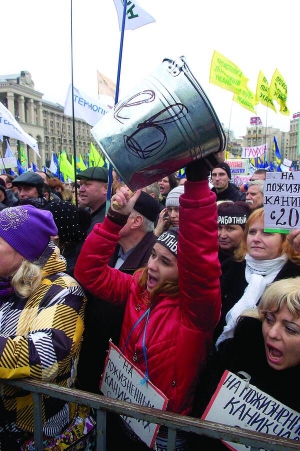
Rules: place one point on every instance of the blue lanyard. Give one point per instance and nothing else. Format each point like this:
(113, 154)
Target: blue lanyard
(145, 314)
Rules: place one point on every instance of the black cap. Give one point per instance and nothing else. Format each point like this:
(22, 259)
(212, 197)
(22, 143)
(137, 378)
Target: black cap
(147, 206)
(94, 173)
(225, 168)
(29, 178)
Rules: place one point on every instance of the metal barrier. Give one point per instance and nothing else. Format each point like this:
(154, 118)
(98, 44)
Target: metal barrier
(173, 422)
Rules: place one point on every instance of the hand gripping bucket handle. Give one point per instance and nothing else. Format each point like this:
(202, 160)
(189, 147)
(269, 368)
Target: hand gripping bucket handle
(165, 123)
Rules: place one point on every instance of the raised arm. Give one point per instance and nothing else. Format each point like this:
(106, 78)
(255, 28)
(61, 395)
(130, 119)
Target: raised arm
(92, 269)
(198, 263)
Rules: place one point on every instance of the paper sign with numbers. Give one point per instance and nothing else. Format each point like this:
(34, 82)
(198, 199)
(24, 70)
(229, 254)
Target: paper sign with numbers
(282, 201)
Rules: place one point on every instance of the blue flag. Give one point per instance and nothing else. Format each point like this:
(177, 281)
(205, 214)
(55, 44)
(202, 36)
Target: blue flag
(20, 169)
(277, 152)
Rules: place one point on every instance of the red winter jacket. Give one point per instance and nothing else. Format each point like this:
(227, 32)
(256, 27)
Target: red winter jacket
(179, 331)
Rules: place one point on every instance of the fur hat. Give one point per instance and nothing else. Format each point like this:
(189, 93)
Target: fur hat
(72, 222)
(169, 239)
(172, 199)
(225, 168)
(27, 229)
(147, 206)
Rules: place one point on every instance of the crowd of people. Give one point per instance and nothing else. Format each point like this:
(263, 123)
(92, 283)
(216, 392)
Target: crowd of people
(180, 275)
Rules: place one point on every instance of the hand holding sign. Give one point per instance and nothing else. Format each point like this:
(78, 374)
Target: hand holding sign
(294, 239)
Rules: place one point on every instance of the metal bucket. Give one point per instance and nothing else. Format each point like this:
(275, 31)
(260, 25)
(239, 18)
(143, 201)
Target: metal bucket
(164, 124)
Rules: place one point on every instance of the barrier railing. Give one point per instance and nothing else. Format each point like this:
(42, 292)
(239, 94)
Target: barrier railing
(174, 422)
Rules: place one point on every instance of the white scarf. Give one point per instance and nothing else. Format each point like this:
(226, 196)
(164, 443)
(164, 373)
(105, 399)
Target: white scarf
(259, 274)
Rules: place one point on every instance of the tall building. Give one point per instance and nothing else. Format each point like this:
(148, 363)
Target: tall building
(43, 120)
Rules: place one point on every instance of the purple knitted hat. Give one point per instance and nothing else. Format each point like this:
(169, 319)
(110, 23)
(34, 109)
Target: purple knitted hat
(27, 229)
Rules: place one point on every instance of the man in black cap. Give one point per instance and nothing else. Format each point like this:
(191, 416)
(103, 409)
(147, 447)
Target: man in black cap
(30, 189)
(223, 188)
(103, 320)
(93, 192)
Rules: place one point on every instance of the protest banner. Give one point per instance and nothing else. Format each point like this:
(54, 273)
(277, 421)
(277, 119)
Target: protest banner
(238, 403)
(238, 166)
(122, 380)
(254, 152)
(282, 201)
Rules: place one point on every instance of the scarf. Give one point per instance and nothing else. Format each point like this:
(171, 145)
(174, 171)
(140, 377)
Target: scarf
(259, 274)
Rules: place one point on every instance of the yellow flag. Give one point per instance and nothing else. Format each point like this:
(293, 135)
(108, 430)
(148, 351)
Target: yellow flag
(278, 92)
(105, 86)
(225, 74)
(246, 98)
(95, 159)
(66, 167)
(80, 163)
(263, 92)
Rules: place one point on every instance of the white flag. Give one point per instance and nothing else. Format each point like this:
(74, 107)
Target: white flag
(90, 110)
(11, 128)
(135, 16)
(8, 152)
(53, 166)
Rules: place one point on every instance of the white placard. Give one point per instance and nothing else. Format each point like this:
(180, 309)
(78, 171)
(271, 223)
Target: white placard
(254, 152)
(282, 201)
(123, 381)
(238, 166)
(240, 404)
(8, 162)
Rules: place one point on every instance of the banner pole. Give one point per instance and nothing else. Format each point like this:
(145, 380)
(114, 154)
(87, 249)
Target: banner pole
(110, 178)
(73, 113)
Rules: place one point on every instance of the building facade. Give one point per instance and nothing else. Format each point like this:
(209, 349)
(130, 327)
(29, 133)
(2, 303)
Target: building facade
(43, 120)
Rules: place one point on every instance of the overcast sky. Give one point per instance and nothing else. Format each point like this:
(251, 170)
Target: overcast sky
(255, 35)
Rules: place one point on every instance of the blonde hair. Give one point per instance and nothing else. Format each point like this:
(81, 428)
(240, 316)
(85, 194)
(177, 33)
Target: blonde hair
(286, 248)
(285, 291)
(27, 279)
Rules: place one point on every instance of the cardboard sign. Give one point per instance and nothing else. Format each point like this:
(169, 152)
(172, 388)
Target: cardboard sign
(240, 404)
(282, 201)
(122, 380)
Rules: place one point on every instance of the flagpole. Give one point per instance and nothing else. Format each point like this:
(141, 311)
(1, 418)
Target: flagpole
(73, 113)
(109, 189)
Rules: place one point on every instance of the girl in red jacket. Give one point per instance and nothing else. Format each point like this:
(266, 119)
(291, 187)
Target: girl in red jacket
(173, 305)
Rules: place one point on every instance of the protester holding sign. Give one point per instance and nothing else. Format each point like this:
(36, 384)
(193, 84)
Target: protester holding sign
(260, 259)
(172, 305)
(265, 351)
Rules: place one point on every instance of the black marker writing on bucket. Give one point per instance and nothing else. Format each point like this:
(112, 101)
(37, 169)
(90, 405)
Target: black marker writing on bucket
(150, 137)
(140, 98)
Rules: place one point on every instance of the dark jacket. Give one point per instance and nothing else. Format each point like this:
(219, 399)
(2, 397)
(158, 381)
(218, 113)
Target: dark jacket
(97, 216)
(11, 200)
(241, 353)
(103, 320)
(233, 284)
(230, 193)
